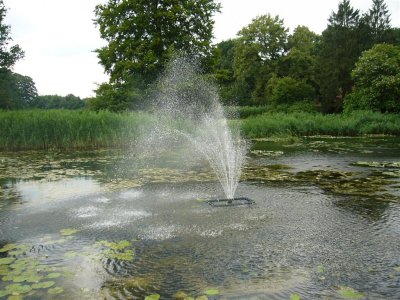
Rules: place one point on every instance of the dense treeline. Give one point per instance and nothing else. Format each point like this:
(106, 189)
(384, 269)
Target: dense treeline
(265, 65)
(354, 64)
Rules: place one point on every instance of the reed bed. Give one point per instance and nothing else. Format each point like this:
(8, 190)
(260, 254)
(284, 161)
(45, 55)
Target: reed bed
(67, 129)
(307, 124)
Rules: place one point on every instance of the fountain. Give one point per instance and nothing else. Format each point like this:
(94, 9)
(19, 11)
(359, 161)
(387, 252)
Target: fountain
(187, 106)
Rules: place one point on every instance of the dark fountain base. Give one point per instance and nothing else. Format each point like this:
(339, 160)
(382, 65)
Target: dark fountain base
(230, 202)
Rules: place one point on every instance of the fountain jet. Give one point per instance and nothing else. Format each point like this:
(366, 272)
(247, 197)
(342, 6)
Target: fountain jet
(187, 105)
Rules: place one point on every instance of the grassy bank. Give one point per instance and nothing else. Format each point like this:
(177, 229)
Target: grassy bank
(306, 124)
(67, 129)
(64, 129)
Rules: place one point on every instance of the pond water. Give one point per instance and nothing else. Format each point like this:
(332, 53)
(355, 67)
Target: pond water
(104, 225)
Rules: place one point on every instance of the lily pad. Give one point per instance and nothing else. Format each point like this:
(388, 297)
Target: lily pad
(68, 231)
(53, 275)
(350, 293)
(55, 291)
(295, 297)
(212, 292)
(152, 297)
(27, 278)
(397, 269)
(180, 295)
(6, 260)
(116, 246)
(203, 297)
(4, 293)
(43, 285)
(127, 255)
(15, 297)
(18, 288)
(8, 247)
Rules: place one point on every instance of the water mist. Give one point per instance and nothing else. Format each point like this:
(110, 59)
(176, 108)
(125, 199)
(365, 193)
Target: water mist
(187, 107)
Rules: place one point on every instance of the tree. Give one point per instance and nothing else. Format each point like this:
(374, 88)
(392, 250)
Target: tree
(223, 68)
(8, 55)
(378, 19)
(26, 89)
(142, 35)
(287, 90)
(299, 62)
(11, 84)
(259, 47)
(377, 80)
(16, 90)
(340, 46)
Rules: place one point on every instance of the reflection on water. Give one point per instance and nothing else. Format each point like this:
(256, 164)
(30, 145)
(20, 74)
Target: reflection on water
(326, 224)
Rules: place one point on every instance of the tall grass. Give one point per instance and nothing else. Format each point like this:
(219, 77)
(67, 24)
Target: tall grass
(306, 124)
(66, 129)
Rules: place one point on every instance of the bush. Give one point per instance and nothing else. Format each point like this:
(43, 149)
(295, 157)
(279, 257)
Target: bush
(287, 90)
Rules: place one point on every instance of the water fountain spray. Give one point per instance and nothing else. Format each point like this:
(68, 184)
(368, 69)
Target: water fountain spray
(186, 98)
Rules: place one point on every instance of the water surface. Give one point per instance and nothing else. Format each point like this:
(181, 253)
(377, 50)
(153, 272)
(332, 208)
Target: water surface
(104, 224)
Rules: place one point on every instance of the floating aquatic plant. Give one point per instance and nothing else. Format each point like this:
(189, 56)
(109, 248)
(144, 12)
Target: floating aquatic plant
(55, 291)
(6, 260)
(295, 297)
(152, 297)
(68, 231)
(43, 285)
(211, 292)
(114, 250)
(350, 293)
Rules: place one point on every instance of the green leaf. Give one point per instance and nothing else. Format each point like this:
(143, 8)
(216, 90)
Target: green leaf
(350, 293)
(55, 291)
(43, 285)
(152, 297)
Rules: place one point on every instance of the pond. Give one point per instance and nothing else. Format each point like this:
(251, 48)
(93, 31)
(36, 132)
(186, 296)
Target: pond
(106, 225)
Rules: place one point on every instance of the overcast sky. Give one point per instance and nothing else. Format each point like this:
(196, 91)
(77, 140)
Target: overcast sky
(58, 36)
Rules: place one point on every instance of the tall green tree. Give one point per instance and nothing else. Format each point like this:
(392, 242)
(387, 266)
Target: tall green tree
(377, 80)
(341, 45)
(143, 35)
(378, 19)
(224, 54)
(9, 55)
(12, 85)
(259, 47)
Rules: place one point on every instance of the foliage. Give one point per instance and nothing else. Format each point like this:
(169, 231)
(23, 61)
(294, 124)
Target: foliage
(378, 19)
(377, 80)
(118, 97)
(287, 90)
(259, 46)
(339, 49)
(55, 102)
(16, 91)
(143, 36)
(223, 69)
(8, 55)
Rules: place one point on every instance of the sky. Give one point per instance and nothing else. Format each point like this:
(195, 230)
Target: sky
(59, 36)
